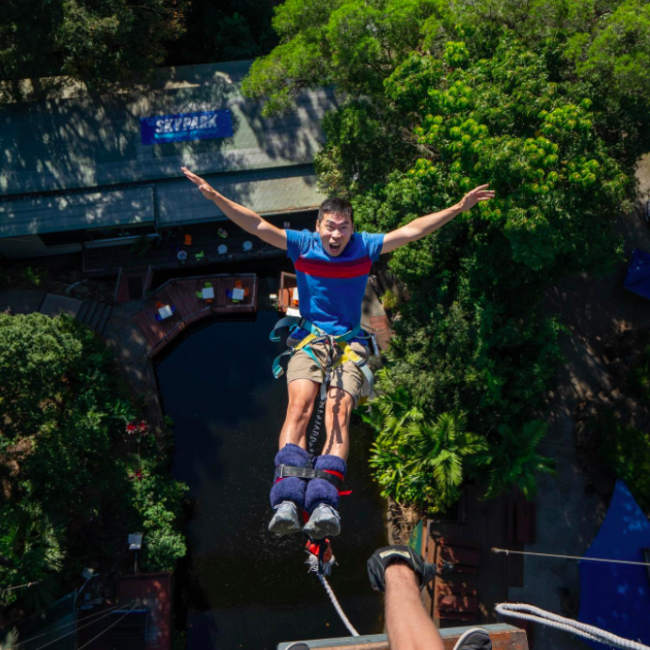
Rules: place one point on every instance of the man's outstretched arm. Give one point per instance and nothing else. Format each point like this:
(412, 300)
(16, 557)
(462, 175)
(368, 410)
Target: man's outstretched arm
(431, 222)
(246, 219)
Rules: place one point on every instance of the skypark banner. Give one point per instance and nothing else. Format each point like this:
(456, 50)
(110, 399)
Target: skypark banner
(203, 125)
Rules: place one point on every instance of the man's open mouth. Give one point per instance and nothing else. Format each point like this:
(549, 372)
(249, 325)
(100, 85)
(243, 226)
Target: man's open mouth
(335, 247)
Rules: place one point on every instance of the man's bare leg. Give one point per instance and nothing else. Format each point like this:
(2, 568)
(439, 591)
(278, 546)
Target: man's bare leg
(302, 393)
(337, 423)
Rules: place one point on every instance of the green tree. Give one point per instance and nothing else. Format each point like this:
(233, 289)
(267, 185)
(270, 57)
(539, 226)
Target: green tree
(540, 101)
(70, 448)
(427, 463)
(33, 546)
(108, 41)
(227, 31)
(417, 461)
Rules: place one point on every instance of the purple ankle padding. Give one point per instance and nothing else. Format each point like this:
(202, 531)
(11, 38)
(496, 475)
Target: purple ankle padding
(321, 491)
(291, 488)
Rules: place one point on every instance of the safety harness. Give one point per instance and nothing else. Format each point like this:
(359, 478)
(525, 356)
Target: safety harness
(317, 335)
(319, 551)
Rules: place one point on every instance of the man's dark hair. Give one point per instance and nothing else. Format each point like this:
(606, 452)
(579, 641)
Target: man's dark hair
(338, 206)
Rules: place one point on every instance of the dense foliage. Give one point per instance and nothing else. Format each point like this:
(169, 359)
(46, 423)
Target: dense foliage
(77, 473)
(544, 102)
(112, 40)
(418, 462)
(230, 30)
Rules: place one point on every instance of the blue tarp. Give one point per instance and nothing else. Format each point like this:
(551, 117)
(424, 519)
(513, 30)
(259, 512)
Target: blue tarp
(616, 597)
(638, 273)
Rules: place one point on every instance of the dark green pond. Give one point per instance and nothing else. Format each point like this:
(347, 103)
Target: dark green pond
(240, 587)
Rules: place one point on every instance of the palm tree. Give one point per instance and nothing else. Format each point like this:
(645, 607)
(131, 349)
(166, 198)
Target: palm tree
(442, 452)
(514, 460)
(391, 411)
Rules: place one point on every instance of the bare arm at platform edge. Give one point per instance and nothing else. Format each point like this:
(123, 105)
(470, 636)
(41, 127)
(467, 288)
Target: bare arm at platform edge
(246, 219)
(431, 222)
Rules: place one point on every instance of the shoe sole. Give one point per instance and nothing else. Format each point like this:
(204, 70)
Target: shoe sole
(463, 637)
(284, 527)
(321, 529)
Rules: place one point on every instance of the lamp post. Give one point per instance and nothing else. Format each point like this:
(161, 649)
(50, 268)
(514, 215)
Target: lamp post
(88, 574)
(135, 544)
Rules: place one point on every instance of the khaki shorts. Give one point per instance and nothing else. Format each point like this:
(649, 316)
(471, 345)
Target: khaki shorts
(346, 376)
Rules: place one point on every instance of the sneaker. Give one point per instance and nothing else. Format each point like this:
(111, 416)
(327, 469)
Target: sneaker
(285, 520)
(474, 639)
(325, 521)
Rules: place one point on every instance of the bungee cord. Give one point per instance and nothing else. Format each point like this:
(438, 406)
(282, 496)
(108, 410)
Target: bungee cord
(337, 606)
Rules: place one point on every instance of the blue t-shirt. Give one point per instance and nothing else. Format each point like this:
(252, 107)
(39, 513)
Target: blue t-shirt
(331, 289)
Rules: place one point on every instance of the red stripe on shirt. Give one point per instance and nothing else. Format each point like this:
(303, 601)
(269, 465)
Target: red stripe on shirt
(322, 269)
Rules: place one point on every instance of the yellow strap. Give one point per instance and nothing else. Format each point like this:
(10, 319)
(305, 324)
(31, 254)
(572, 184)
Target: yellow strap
(308, 339)
(348, 354)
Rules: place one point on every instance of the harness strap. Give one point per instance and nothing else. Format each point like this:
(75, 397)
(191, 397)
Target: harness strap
(350, 355)
(335, 478)
(315, 333)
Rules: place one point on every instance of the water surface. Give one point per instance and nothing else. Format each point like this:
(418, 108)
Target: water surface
(242, 587)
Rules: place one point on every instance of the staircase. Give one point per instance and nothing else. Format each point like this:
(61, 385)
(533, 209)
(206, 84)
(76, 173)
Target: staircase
(95, 314)
(133, 285)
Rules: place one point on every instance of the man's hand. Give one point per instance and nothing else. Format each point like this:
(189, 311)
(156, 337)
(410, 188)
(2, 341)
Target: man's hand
(383, 557)
(480, 193)
(207, 191)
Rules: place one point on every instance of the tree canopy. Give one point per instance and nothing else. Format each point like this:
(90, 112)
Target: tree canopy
(78, 471)
(546, 102)
(124, 41)
(107, 41)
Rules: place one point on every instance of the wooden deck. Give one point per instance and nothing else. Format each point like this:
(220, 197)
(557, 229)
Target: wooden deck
(189, 308)
(481, 579)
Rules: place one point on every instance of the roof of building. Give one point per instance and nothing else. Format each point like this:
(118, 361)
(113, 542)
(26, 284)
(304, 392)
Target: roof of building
(109, 207)
(67, 140)
(65, 151)
(268, 191)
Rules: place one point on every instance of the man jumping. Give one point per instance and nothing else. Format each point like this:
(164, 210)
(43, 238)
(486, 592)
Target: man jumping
(332, 267)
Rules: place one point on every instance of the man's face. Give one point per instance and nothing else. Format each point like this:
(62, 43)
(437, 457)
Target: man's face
(335, 231)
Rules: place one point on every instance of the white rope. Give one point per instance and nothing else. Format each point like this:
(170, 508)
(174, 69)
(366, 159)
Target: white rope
(86, 620)
(335, 602)
(74, 631)
(108, 628)
(537, 615)
(570, 557)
